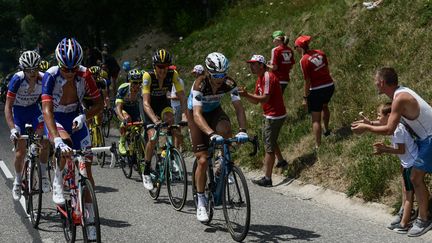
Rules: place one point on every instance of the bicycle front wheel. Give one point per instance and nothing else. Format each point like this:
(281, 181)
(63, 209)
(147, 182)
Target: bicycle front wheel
(90, 213)
(236, 204)
(156, 164)
(176, 175)
(106, 124)
(69, 228)
(101, 143)
(35, 193)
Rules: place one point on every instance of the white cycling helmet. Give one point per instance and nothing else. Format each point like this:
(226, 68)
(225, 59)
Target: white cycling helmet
(29, 60)
(216, 63)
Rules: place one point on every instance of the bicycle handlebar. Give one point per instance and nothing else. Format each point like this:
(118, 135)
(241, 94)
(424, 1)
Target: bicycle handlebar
(253, 140)
(159, 126)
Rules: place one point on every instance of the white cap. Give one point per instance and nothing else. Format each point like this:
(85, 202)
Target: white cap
(198, 69)
(257, 58)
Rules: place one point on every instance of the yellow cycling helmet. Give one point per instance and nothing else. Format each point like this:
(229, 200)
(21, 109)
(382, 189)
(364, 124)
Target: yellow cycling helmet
(95, 70)
(43, 65)
(104, 74)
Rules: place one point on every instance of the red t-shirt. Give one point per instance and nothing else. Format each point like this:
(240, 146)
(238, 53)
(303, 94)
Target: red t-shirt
(267, 84)
(314, 66)
(283, 57)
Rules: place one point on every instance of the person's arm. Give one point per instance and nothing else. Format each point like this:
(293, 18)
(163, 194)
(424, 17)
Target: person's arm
(148, 109)
(272, 65)
(241, 115)
(8, 112)
(119, 111)
(48, 115)
(381, 148)
(254, 98)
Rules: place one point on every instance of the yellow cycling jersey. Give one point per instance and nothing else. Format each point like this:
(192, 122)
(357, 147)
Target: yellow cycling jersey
(151, 84)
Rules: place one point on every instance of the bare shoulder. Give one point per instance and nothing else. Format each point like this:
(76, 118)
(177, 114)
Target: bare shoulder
(199, 82)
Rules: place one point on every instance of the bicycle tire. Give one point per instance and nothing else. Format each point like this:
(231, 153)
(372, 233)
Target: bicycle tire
(87, 188)
(126, 165)
(69, 228)
(210, 204)
(24, 184)
(157, 184)
(177, 162)
(139, 155)
(101, 139)
(238, 185)
(107, 115)
(35, 194)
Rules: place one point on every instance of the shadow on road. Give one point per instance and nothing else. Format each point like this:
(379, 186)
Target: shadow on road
(278, 233)
(114, 223)
(105, 189)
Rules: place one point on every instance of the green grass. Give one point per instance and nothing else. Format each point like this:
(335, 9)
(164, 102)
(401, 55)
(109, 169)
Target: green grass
(357, 42)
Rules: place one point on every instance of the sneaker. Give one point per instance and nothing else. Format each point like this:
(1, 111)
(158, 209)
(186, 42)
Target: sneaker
(327, 133)
(396, 220)
(281, 164)
(91, 232)
(147, 181)
(16, 192)
(58, 197)
(202, 214)
(398, 228)
(419, 227)
(263, 182)
(45, 185)
(122, 148)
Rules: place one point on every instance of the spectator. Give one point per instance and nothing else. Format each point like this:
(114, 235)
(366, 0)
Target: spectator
(282, 58)
(268, 93)
(175, 104)
(417, 114)
(110, 64)
(404, 147)
(318, 87)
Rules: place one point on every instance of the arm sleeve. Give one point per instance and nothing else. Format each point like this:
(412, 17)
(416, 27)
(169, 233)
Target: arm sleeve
(13, 87)
(48, 83)
(273, 56)
(146, 83)
(121, 92)
(176, 82)
(92, 90)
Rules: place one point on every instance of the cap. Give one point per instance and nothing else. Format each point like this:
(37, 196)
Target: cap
(277, 33)
(302, 41)
(198, 69)
(257, 58)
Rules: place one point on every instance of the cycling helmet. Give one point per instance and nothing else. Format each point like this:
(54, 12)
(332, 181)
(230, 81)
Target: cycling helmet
(29, 60)
(44, 65)
(95, 70)
(135, 75)
(104, 74)
(126, 66)
(69, 53)
(216, 63)
(161, 56)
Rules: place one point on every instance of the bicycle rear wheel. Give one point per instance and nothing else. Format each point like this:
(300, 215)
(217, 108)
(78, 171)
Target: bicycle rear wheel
(101, 143)
(155, 164)
(35, 194)
(210, 204)
(176, 175)
(236, 204)
(126, 163)
(106, 122)
(90, 212)
(25, 183)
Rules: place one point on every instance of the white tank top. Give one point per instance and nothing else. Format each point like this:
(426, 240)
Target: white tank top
(422, 126)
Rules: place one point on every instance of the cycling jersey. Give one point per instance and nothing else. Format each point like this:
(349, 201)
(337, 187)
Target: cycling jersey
(158, 94)
(19, 90)
(130, 104)
(52, 88)
(202, 93)
(283, 57)
(314, 66)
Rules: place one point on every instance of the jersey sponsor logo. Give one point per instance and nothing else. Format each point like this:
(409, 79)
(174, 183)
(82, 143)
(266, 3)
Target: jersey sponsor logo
(146, 82)
(286, 56)
(317, 60)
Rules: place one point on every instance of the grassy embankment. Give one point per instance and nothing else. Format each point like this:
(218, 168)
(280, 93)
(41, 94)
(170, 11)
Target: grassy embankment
(357, 41)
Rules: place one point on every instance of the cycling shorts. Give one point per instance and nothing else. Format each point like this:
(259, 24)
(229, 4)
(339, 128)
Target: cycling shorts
(200, 140)
(27, 115)
(80, 139)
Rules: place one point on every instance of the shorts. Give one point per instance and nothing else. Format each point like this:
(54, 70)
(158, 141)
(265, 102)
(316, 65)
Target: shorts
(423, 161)
(80, 139)
(23, 115)
(177, 114)
(271, 131)
(406, 175)
(319, 97)
(200, 140)
(283, 86)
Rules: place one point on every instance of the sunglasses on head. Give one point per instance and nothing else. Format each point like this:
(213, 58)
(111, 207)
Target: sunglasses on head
(218, 75)
(69, 70)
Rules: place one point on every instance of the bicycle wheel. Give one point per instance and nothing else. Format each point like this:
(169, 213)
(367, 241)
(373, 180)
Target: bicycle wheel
(156, 163)
(126, 165)
(35, 193)
(106, 123)
(101, 143)
(210, 204)
(69, 228)
(90, 212)
(25, 184)
(236, 204)
(176, 175)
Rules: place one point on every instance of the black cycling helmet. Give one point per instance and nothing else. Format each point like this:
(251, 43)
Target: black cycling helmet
(163, 57)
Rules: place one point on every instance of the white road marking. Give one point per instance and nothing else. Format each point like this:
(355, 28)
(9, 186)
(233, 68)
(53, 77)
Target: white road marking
(5, 170)
(8, 175)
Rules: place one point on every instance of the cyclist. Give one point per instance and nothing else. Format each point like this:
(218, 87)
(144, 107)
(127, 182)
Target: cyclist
(64, 87)
(156, 84)
(207, 121)
(43, 66)
(127, 104)
(22, 108)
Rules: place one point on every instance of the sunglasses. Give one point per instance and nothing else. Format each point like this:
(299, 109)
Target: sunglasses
(161, 66)
(218, 75)
(31, 70)
(69, 70)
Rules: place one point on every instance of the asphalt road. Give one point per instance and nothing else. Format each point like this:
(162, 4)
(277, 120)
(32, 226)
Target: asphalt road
(128, 214)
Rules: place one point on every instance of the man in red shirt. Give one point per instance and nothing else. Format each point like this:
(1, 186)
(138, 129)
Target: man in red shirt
(282, 58)
(318, 87)
(268, 93)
